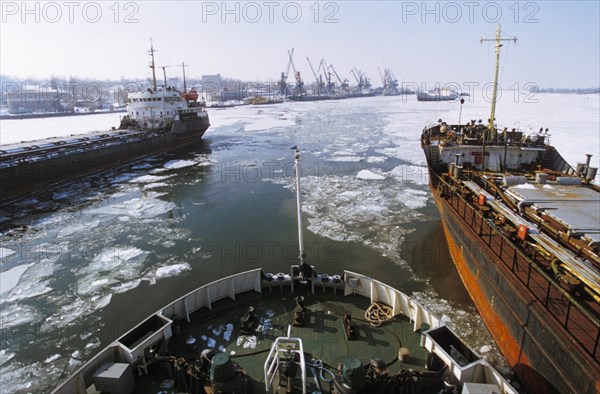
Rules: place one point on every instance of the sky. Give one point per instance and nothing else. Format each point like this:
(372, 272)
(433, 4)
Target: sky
(558, 43)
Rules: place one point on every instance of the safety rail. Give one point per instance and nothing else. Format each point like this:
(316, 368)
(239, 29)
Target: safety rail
(271, 366)
(583, 327)
(378, 291)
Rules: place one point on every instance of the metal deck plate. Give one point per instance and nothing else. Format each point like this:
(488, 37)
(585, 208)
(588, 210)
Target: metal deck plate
(575, 206)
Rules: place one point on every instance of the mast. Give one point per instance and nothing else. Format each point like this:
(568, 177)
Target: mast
(490, 128)
(165, 76)
(299, 203)
(183, 67)
(496, 69)
(152, 66)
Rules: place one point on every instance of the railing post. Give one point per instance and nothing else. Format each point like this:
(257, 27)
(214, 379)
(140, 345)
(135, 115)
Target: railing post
(596, 344)
(567, 317)
(548, 294)
(480, 225)
(528, 275)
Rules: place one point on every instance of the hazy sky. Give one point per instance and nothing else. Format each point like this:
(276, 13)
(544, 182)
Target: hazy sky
(558, 42)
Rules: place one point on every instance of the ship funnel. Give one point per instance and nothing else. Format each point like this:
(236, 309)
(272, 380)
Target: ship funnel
(587, 161)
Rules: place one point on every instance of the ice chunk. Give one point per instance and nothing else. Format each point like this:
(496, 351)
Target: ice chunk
(10, 278)
(5, 356)
(52, 358)
(149, 178)
(155, 185)
(350, 159)
(174, 164)
(172, 270)
(368, 175)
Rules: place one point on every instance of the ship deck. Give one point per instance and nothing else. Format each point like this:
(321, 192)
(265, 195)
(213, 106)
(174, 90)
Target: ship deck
(323, 336)
(580, 316)
(573, 205)
(40, 149)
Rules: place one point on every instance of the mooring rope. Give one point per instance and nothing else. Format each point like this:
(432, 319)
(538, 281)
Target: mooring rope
(377, 314)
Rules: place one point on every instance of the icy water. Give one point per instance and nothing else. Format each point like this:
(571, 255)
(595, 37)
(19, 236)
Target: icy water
(85, 264)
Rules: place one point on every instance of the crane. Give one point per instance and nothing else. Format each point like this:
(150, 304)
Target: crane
(382, 77)
(355, 77)
(299, 82)
(318, 79)
(330, 85)
(284, 75)
(391, 79)
(344, 83)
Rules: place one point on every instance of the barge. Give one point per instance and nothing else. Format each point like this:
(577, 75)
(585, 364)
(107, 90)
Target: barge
(158, 120)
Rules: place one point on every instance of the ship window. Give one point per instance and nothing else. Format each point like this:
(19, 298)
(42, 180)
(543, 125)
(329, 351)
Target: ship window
(137, 113)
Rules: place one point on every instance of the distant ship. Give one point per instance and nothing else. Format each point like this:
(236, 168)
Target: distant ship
(298, 332)
(523, 228)
(158, 120)
(437, 95)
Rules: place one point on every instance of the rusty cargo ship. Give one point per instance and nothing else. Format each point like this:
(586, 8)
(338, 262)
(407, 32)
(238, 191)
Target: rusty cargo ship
(523, 228)
(158, 120)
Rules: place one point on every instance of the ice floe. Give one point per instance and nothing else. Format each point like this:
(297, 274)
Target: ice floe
(10, 278)
(369, 175)
(175, 164)
(172, 270)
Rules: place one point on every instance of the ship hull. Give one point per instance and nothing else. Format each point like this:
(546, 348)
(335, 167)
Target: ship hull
(430, 97)
(35, 170)
(535, 345)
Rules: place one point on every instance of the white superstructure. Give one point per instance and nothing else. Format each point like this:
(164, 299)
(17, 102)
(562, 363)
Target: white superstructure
(154, 109)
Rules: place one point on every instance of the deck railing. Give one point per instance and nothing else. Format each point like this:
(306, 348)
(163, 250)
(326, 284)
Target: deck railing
(582, 325)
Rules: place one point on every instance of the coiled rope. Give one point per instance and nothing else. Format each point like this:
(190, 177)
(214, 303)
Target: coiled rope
(377, 314)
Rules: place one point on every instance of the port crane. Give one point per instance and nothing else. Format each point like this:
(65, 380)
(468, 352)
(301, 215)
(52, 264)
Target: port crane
(390, 83)
(361, 79)
(284, 75)
(318, 78)
(344, 83)
(328, 74)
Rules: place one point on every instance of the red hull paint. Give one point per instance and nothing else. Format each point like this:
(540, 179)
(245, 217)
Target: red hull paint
(512, 330)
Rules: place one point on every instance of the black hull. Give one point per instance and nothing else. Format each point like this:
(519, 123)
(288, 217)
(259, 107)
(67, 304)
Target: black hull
(37, 169)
